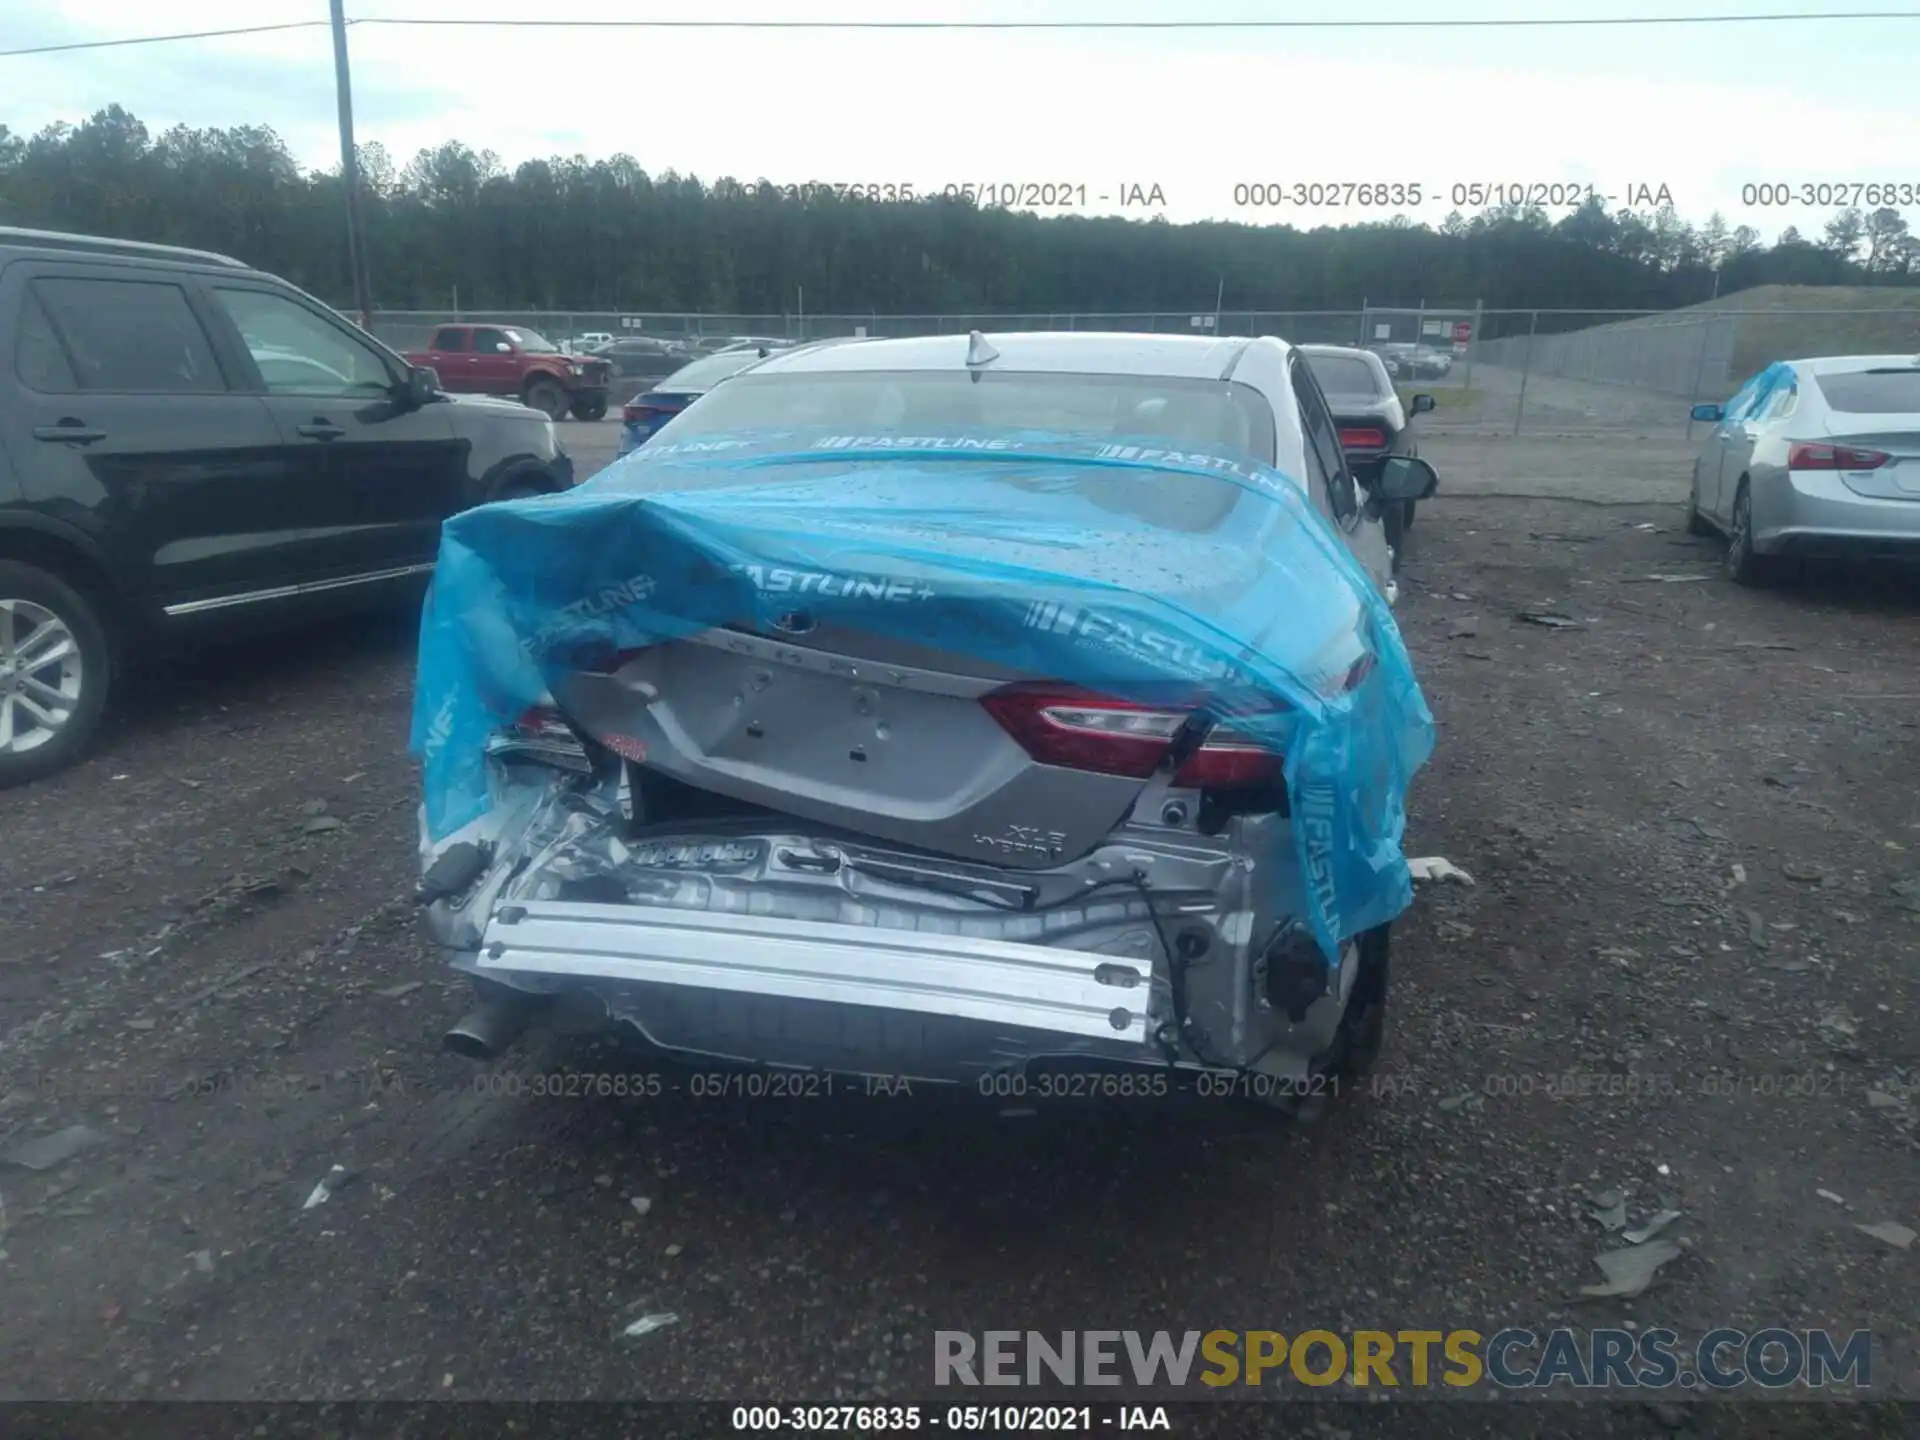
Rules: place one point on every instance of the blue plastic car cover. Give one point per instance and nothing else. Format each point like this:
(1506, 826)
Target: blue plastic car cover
(1135, 571)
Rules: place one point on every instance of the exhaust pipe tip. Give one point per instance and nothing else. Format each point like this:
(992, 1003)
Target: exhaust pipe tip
(488, 1029)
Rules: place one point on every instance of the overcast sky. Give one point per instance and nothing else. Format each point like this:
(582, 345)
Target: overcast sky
(1701, 110)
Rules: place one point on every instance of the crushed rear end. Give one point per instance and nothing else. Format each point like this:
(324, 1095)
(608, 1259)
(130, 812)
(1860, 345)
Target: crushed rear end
(817, 762)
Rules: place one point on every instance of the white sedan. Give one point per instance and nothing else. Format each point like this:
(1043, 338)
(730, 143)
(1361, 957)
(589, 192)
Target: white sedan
(1814, 458)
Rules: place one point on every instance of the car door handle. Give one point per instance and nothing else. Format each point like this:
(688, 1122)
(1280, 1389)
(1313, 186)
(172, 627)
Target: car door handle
(75, 432)
(319, 430)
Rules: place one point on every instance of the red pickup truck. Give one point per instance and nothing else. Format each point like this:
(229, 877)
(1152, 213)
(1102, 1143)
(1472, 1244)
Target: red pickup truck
(510, 360)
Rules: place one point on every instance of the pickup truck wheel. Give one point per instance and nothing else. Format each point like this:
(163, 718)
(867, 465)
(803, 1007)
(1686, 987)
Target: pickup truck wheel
(592, 408)
(547, 397)
(55, 668)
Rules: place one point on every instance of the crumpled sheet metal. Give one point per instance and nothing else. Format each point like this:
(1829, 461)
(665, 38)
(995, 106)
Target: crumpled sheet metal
(1116, 566)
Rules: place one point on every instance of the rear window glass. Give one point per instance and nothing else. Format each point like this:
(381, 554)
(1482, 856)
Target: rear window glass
(1344, 375)
(131, 336)
(39, 360)
(1221, 417)
(1200, 414)
(1873, 392)
(705, 374)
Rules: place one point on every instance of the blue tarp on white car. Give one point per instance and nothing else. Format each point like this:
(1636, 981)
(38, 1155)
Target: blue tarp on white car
(1121, 567)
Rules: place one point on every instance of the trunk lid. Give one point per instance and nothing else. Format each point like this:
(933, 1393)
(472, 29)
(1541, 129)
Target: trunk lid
(1877, 455)
(852, 730)
(806, 713)
(862, 701)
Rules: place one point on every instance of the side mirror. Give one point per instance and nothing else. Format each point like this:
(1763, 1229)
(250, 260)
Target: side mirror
(504, 348)
(1712, 414)
(1422, 404)
(1406, 477)
(421, 387)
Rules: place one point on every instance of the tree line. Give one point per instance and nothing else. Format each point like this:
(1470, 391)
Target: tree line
(456, 226)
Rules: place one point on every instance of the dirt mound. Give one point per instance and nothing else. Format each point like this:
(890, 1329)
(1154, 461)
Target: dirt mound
(1791, 322)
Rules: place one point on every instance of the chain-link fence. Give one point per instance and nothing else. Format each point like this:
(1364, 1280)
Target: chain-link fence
(1501, 371)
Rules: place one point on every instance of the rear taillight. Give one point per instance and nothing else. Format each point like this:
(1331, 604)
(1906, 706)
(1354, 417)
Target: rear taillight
(1363, 439)
(632, 412)
(1081, 730)
(1804, 455)
(1231, 761)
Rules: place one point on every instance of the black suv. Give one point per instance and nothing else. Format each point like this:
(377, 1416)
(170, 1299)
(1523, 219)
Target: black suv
(187, 443)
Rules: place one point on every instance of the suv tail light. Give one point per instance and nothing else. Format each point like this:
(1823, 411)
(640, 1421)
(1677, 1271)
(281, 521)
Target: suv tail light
(1361, 439)
(1803, 455)
(1081, 730)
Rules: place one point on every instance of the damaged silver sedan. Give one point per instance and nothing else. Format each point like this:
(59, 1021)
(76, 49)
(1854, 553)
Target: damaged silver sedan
(781, 836)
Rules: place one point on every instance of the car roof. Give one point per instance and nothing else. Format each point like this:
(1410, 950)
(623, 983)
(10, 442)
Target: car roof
(61, 242)
(1061, 351)
(1846, 364)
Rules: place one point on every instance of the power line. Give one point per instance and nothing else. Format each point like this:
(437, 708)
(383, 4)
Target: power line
(1531, 22)
(1526, 22)
(161, 39)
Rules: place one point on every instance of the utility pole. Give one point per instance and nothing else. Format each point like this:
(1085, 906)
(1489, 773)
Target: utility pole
(1218, 295)
(350, 170)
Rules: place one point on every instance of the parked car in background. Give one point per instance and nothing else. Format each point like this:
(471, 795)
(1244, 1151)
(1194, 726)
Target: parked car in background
(715, 344)
(589, 340)
(789, 840)
(1813, 458)
(188, 444)
(643, 357)
(1407, 361)
(1374, 424)
(513, 361)
(643, 416)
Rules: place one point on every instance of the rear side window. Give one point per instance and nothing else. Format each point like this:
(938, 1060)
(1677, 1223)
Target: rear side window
(449, 341)
(1318, 422)
(1872, 392)
(130, 336)
(38, 359)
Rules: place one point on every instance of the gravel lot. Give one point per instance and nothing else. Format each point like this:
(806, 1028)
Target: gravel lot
(1686, 819)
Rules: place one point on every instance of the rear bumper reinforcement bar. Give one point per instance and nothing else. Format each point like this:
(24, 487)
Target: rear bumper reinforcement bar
(1038, 987)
